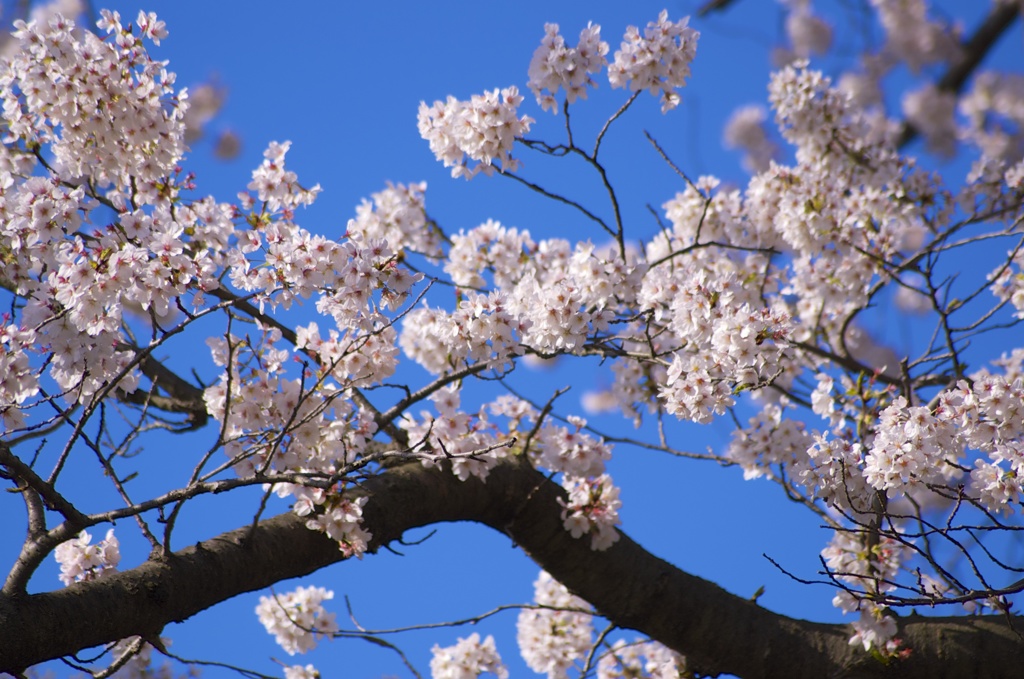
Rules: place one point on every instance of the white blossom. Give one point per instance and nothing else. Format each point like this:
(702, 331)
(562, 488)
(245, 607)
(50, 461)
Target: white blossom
(592, 509)
(297, 619)
(641, 659)
(467, 659)
(658, 62)
(482, 129)
(80, 560)
(745, 130)
(555, 66)
(551, 641)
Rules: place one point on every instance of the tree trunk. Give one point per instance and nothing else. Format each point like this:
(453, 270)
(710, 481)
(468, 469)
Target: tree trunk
(717, 631)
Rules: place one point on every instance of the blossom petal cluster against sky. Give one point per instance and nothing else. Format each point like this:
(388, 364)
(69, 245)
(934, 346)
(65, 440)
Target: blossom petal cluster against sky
(343, 83)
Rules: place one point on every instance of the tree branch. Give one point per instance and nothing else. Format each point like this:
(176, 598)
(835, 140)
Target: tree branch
(718, 632)
(713, 6)
(973, 51)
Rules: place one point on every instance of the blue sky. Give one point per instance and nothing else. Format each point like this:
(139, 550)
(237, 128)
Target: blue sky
(342, 81)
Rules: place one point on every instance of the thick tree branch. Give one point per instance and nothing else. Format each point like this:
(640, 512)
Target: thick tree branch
(719, 632)
(182, 397)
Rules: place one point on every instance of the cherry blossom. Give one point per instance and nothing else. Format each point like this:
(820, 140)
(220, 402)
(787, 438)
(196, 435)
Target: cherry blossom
(994, 112)
(911, 36)
(397, 215)
(875, 570)
(592, 509)
(931, 112)
(745, 130)
(80, 560)
(297, 619)
(301, 672)
(571, 451)
(553, 638)
(769, 439)
(750, 304)
(555, 66)
(467, 659)
(482, 330)
(18, 380)
(808, 34)
(640, 659)
(342, 521)
(472, 444)
(482, 129)
(504, 252)
(658, 62)
(57, 74)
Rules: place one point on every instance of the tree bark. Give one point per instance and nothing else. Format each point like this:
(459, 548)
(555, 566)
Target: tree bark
(717, 631)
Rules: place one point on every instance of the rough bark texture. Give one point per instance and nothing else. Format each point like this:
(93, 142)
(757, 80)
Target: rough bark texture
(718, 632)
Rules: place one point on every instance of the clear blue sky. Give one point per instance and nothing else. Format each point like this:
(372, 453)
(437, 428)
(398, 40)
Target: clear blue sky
(342, 81)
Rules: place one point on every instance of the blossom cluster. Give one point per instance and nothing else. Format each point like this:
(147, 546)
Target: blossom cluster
(840, 209)
(550, 296)
(79, 284)
(592, 509)
(910, 451)
(297, 619)
(570, 451)
(361, 356)
(551, 639)
(745, 130)
(301, 672)
(910, 446)
(280, 261)
(397, 215)
(342, 520)
(307, 424)
(276, 187)
(18, 381)
(269, 421)
(481, 330)
(555, 66)
(480, 131)
(994, 111)
(911, 36)
(467, 659)
(568, 292)
(808, 33)
(134, 130)
(768, 439)
(914, 446)
(503, 252)
(746, 343)
(648, 659)
(831, 471)
(1008, 283)
(659, 61)
(80, 560)
(875, 571)
(471, 136)
(470, 443)
(473, 444)
(811, 114)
